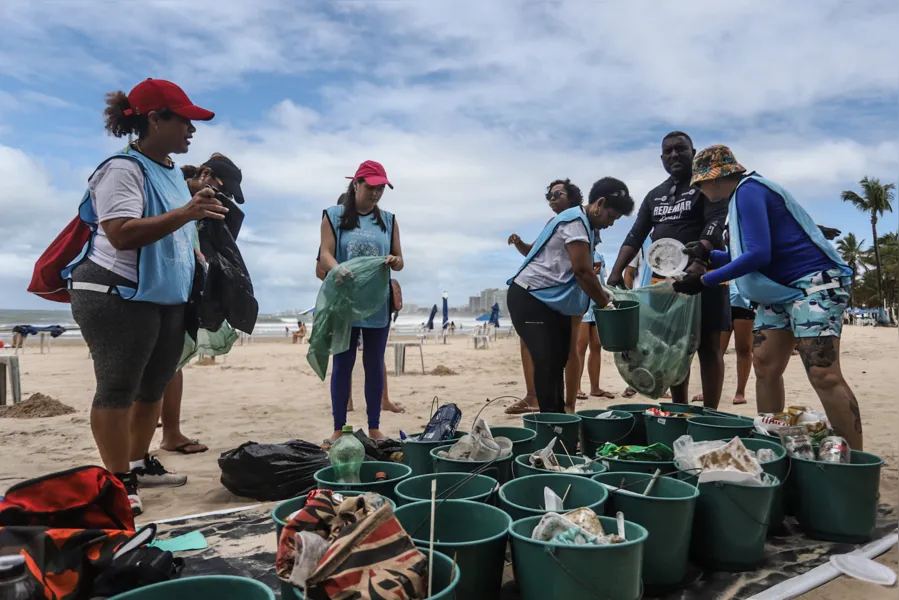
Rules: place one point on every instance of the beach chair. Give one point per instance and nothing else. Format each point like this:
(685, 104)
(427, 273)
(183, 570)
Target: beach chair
(399, 356)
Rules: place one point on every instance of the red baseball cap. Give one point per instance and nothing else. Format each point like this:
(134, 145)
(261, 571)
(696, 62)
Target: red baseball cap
(373, 173)
(158, 94)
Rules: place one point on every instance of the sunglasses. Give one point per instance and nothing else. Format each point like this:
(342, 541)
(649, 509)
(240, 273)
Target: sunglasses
(550, 196)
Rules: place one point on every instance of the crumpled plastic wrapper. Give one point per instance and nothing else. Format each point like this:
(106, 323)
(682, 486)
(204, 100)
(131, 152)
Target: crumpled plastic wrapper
(479, 445)
(718, 461)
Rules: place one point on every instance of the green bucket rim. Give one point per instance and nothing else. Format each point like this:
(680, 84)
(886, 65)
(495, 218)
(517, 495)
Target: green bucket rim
(743, 422)
(461, 476)
(343, 492)
(644, 535)
(782, 452)
(472, 506)
(624, 414)
(521, 459)
(467, 462)
(528, 509)
(364, 486)
(637, 462)
(685, 417)
(878, 462)
(639, 407)
(648, 478)
(777, 482)
(145, 591)
(551, 418)
(532, 433)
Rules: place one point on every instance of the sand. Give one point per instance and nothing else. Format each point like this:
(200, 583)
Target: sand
(266, 392)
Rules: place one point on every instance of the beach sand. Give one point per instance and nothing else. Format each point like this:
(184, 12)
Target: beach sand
(266, 392)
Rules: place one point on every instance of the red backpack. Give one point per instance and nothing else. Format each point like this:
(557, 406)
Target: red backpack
(47, 281)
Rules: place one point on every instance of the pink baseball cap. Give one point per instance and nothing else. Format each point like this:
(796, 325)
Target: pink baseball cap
(373, 173)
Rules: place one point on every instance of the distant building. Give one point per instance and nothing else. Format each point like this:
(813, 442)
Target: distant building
(474, 304)
(492, 296)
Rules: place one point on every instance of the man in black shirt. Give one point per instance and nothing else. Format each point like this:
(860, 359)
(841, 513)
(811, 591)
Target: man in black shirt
(675, 209)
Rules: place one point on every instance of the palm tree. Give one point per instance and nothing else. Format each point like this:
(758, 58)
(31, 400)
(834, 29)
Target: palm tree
(851, 251)
(876, 200)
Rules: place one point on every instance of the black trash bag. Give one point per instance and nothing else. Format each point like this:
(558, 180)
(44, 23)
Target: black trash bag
(383, 450)
(272, 471)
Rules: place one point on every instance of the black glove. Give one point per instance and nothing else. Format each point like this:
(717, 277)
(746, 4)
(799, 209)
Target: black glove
(698, 251)
(689, 285)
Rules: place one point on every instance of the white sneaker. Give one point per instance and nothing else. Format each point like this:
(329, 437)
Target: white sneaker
(153, 474)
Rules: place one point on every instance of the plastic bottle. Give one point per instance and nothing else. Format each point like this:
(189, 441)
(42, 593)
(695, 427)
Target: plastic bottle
(15, 583)
(346, 455)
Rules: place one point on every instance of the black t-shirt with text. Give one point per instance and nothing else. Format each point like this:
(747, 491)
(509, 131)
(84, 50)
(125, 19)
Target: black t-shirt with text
(680, 211)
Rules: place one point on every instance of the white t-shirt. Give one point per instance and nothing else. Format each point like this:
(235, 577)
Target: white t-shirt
(117, 192)
(637, 264)
(552, 265)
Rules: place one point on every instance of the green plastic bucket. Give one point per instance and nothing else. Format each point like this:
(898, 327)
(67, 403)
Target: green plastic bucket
(705, 429)
(550, 425)
(501, 469)
(838, 503)
(667, 514)
(417, 455)
(446, 578)
(731, 524)
(618, 328)
(522, 438)
(677, 407)
(546, 570)
(523, 497)
(638, 435)
(522, 466)
(396, 472)
(617, 465)
(664, 430)
(473, 532)
(281, 513)
(206, 587)
(780, 468)
(477, 488)
(596, 432)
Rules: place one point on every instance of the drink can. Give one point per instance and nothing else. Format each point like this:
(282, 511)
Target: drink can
(834, 449)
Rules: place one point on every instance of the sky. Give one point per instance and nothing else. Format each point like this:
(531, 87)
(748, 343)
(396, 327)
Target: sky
(473, 107)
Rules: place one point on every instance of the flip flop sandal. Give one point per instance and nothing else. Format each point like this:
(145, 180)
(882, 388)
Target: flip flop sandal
(698, 398)
(629, 392)
(739, 400)
(183, 448)
(604, 394)
(582, 396)
(326, 445)
(521, 408)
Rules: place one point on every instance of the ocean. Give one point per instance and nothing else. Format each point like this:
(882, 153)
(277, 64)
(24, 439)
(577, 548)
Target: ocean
(266, 325)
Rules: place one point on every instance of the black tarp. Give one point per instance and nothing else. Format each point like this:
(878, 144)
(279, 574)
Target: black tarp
(244, 544)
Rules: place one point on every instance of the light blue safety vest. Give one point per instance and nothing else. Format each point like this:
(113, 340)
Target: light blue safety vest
(645, 271)
(755, 286)
(165, 268)
(597, 258)
(365, 240)
(737, 300)
(567, 298)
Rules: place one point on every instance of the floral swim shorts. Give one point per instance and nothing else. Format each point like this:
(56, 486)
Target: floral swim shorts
(820, 314)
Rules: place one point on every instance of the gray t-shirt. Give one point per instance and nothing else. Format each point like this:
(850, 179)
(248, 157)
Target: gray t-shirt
(117, 192)
(552, 265)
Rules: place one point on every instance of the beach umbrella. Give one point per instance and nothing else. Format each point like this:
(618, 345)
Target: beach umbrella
(308, 311)
(445, 310)
(483, 318)
(494, 315)
(431, 318)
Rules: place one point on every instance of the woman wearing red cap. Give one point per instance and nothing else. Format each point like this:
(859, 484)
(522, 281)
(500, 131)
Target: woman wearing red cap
(130, 287)
(350, 230)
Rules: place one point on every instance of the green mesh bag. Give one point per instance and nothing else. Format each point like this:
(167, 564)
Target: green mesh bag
(353, 291)
(669, 336)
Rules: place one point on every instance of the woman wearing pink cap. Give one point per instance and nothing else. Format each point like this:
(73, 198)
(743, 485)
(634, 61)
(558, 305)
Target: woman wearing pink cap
(130, 286)
(350, 230)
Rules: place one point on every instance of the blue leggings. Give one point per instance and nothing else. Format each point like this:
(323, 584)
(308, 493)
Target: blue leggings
(374, 343)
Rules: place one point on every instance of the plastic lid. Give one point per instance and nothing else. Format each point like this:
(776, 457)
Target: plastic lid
(380, 475)
(12, 566)
(666, 257)
(865, 569)
(347, 429)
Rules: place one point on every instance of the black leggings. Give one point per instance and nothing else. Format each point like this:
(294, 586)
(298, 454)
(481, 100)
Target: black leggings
(547, 335)
(135, 345)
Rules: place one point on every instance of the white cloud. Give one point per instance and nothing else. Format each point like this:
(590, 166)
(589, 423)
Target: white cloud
(473, 107)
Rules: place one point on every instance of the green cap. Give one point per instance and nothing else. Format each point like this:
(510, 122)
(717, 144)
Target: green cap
(347, 429)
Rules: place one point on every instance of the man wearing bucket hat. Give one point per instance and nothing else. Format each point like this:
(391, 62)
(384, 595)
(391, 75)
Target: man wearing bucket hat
(781, 260)
(676, 209)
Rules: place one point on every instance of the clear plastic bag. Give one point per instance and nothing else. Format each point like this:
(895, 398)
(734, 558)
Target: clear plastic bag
(208, 343)
(355, 290)
(669, 336)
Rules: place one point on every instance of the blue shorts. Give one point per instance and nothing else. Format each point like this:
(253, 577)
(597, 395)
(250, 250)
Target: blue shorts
(820, 314)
